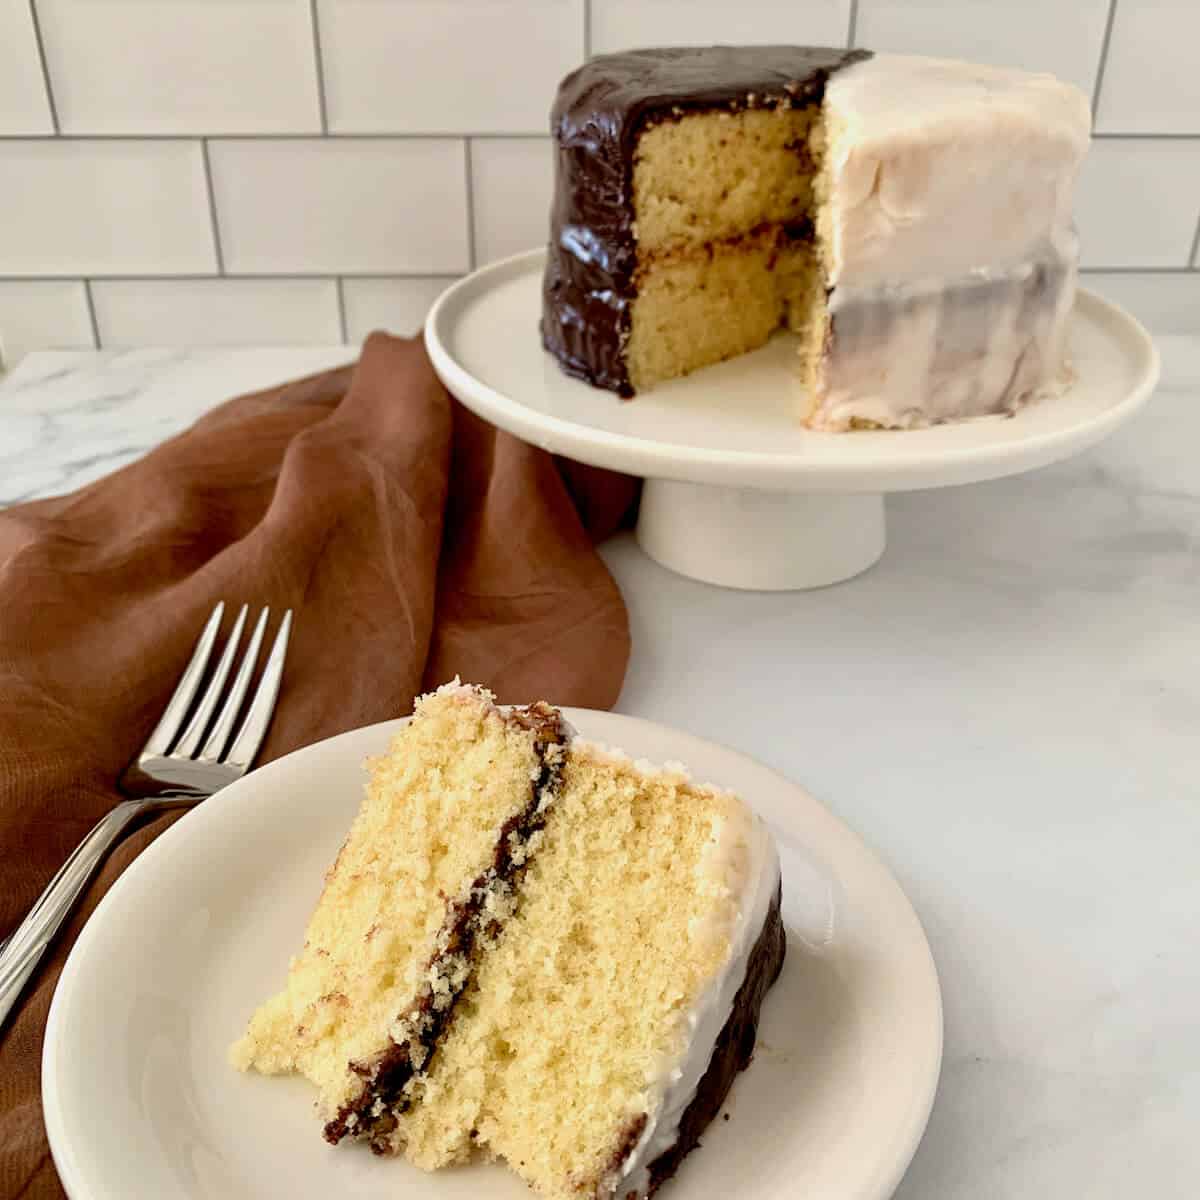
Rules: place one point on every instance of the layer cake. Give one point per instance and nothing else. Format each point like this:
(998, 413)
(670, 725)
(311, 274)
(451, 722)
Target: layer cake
(910, 218)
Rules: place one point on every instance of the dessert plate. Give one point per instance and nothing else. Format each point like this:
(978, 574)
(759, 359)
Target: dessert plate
(721, 450)
(140, 1100)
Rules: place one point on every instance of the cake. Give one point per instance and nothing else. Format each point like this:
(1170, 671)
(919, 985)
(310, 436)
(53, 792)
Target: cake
(529, 948)
(909, 218)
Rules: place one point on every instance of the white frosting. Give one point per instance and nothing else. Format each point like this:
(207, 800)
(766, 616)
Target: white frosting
(948, 239)
(941, 168)
(743, 860)
(924, 353)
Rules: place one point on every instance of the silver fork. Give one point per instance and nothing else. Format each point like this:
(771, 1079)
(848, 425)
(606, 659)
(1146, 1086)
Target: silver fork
(178, 767)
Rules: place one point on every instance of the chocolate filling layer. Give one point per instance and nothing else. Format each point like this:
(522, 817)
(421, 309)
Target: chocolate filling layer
(733, 1050)
(372, 1114)
(598, 116)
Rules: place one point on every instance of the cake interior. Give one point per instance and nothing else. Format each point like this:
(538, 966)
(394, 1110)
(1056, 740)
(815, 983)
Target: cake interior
(621, 921)
(729, 245)
(428, 823)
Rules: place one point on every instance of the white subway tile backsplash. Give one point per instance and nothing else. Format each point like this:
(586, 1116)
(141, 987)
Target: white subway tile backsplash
(1151, 81)
(103, 207)
(1164, 303)
(43, 314)
(24, 106)
(344, 205)
(1069, 33)
(1138, 202)
(447, 66)
(217, 312)
(397, 305)
(625, 24)
(341, 138)
(512, 181)
(181, 66)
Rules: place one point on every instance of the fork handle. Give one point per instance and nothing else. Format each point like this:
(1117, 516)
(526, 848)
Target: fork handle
(29, 940)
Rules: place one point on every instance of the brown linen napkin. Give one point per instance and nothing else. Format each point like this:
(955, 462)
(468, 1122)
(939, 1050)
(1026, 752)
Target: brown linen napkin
(414, 541)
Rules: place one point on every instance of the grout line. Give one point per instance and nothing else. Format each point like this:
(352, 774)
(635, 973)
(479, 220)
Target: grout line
(1103, 63)
(41, 49)
(212, 208)
(446, 136)
(1193, 261)
(1138, 271)
(400, 136)
(587, 30)
(261, 277)
(91, 307)
(470, 180)
(1145, 137)
(318, 60)
(852, 32)
(248, 275)
(341, 300)
(108, 137)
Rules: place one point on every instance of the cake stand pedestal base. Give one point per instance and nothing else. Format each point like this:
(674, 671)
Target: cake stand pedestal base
(758, 540)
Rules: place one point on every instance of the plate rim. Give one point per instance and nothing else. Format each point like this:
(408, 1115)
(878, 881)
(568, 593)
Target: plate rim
(779, 471)
(71, 1174)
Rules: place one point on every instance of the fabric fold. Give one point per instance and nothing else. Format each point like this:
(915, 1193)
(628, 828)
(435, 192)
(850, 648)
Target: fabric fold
(414, 541)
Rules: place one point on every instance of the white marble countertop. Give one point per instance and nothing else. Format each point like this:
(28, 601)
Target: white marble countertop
(1007, 709)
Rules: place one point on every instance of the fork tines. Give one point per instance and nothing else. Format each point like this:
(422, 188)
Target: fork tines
(206, 736)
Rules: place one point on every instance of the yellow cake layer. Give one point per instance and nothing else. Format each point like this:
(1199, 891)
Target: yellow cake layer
(710, 176)
(704, 305)
(617, 929)
(712, 193)
(427, 827)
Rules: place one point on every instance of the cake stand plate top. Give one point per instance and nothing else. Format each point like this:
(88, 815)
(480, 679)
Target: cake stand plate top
(735, 424)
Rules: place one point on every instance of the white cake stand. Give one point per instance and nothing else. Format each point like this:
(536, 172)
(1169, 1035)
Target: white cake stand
(737, 493)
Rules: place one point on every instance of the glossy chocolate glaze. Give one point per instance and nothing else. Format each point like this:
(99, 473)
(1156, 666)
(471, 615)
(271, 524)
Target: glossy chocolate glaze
(598, 115)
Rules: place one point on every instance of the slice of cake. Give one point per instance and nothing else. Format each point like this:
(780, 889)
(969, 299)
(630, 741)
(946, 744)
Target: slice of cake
(909, 218)
(533, 949)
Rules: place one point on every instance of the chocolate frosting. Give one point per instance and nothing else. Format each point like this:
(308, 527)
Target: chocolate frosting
(598, 115)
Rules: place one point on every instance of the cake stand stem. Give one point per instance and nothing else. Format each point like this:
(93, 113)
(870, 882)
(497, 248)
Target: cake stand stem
(760, 541)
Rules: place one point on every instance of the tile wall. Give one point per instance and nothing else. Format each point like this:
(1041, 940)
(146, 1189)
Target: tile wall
(303, 171)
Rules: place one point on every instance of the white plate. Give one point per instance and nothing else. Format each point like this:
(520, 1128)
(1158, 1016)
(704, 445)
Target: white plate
(140, 1101)
(734, 424)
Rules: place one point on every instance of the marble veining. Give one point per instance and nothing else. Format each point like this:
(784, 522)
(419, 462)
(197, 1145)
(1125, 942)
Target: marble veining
(67, 418)
(1006, 708)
